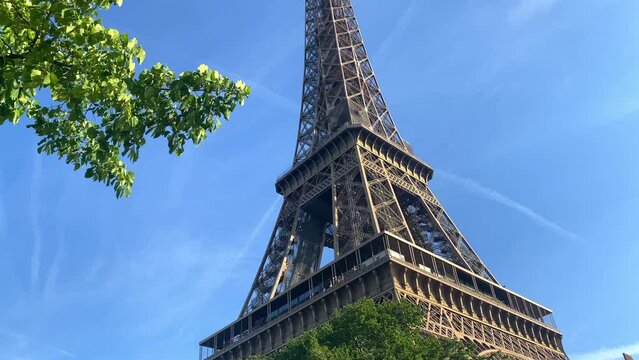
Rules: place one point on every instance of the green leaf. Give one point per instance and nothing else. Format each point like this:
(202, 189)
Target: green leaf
(114, 34)
(89, 173)
(141, 55)
(132, 44)
(4, 19)
(15, 92)
(35, 74)
(365, 330)
(89, 72)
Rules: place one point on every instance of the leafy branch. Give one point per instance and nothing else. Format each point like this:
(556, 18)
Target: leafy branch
(99, 111)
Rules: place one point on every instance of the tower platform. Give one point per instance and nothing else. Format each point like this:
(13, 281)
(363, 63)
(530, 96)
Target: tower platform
(456, 304)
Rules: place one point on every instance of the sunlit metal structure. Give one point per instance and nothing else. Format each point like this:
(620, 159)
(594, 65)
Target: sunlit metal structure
(359, 220)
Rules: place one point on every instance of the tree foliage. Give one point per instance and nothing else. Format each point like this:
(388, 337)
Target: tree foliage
(368, 331)
(95, 111)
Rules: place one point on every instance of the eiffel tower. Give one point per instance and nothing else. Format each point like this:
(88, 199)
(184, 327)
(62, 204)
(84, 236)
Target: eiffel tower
(359, 220)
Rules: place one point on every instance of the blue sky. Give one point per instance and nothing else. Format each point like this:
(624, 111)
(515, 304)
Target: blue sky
(527, 109)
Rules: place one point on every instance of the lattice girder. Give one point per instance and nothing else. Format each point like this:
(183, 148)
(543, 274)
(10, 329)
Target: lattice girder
(340, 87)
(357, 192)
(369, 190)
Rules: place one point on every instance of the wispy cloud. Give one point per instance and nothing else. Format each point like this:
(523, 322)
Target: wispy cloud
(400, 28)
(527, 9)
(21, 346)
(174, 280)
(182, 270)
(54, 269)
(257, 230)
(609, 353)
(285, 45)
(260, 90)
(3, 212)
(65, 353)
(256, 77)
(495, 196)
(619, 106)
(36, 176)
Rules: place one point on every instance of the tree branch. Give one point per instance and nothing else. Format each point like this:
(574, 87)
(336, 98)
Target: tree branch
(61, 64)
(19, 14)
(13, 56)
(7, 45)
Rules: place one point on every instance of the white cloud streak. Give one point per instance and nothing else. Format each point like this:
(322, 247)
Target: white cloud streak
(3, 211)
(65, 353)
(36, 176)
(260, 225)
(22, 346)
(184, 271)
(619, 107)
(54, 270)
(490, 194)
(400, 28)
(287, 44)
(260, 90)
(527, 9)
(167, 283)
(264, 92)
(609, 353)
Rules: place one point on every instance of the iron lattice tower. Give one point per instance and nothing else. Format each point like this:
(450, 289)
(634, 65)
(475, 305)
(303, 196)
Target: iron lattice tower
(357, 195)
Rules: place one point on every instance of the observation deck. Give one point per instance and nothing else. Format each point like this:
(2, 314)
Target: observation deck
(390, 268)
